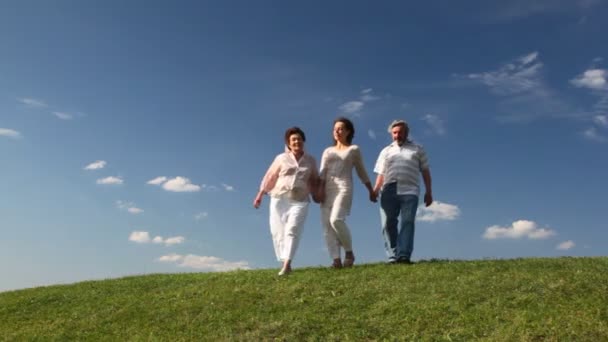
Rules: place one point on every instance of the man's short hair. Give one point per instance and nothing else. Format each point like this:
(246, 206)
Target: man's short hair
(397, 123)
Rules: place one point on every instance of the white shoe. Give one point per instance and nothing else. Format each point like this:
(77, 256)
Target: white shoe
(284, 272)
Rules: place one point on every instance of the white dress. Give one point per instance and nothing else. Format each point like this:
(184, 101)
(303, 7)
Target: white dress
(336, 173)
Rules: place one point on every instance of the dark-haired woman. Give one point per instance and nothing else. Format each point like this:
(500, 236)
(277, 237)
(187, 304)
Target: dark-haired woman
(289, 181)
(336, 190)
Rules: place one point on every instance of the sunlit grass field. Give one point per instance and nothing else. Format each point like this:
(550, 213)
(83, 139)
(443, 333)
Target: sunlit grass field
(558, 299)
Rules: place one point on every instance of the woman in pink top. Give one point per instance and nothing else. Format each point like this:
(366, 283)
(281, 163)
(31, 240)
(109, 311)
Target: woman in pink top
(336, 190)
(289, 181)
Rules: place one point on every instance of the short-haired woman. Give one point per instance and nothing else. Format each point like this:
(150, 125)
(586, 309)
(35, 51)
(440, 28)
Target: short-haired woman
(289, 181)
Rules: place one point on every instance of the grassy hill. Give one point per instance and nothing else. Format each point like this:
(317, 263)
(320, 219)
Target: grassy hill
(561, 299)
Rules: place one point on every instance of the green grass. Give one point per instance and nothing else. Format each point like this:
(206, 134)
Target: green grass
(561, 299)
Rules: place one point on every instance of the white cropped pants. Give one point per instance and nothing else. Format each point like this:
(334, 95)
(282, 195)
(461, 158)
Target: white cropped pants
(333, 215)
(286, 223)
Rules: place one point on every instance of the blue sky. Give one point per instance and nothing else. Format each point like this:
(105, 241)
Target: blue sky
(134, 135)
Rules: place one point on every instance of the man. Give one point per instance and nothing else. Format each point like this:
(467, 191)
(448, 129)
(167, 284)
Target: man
(398, 167)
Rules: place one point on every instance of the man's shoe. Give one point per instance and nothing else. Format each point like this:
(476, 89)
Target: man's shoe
(404, 261)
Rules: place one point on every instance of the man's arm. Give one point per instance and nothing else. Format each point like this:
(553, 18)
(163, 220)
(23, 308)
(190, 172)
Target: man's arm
(379, 183)
(428, 196)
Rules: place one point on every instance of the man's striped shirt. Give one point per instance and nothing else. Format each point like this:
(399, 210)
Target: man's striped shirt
(402, 164)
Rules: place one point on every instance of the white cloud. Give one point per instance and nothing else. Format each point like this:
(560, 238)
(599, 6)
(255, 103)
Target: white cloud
(157, 180)
(601, 120)
(519, 229)
(435, 123)
(593, 79)
(144, 237)
(176, 240)
(366, 95)
(110, 181)
(210, 263)
(63, 116)
(228, 187)
(524, 95)
(529, 58)
(96, 165)
(129, 206)
(566, 245)
(521, 75)
(139, 237)
(170, 258)
(351, 107)
(180, 184)
(592, 134)
(438, 211)
(10, 133)
(515, 9)
(30, 102)
(371, 134)
(201, 215)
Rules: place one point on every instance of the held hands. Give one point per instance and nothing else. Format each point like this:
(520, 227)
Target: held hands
(373, 196)
(428, 199)
(319, 195)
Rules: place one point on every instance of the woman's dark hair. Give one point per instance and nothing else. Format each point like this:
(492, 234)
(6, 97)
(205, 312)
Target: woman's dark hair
(294, 130)
(349, 126)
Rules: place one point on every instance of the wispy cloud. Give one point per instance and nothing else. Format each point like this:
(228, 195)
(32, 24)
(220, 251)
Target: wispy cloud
(354, 107)
(601, 120)
(228, 187)
(63, 116)
(517, 9)
(110, 181)
(522, 93)
(129, 206)
(438, 211)
(209, 263)
(144, 237)
(201, 216)
(32, 103)
(566, 245)
(518, 229)
(596, 80)
(180, 184)
(435, 123)
(157, 181)
(96, 165)
(9, 133)
(367, 96)
(351, 107)
(593, 134)
(520, 75)
(371, 134)
(176, 240)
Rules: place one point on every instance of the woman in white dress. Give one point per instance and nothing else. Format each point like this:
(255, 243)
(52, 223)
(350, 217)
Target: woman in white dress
(336, 190)
(289, 181)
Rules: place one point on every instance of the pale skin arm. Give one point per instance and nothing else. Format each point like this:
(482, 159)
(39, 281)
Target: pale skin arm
(428, 196)
(268, 182)
(360, 168)
(378, 186)
(372, 194)
(257, 201)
